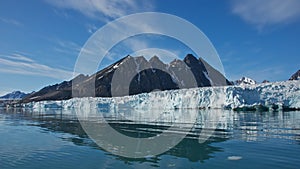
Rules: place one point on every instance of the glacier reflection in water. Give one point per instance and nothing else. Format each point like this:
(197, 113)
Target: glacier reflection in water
(262, 139)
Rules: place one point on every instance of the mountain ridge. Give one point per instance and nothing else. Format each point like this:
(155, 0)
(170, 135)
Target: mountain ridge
(295, 76)
(156, 75)
(15, 95)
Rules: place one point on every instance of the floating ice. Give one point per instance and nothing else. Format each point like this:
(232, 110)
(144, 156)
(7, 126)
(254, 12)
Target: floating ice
(234, 158)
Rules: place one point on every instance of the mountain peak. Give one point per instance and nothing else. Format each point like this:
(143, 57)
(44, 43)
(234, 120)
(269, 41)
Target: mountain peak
(265, 81)
(245, 81)
(16, 92)
(15, 95)
(190, 59)
(148, 76)
(154, 58)
(295, 76)
(156, 62)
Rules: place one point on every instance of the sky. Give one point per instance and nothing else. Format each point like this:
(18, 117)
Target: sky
(40, 40)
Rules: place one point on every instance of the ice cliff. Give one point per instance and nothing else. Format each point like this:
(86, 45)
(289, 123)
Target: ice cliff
(267, 96)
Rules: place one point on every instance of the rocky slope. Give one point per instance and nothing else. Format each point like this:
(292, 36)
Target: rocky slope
(146, 76)
(15, 95)
(295, 76)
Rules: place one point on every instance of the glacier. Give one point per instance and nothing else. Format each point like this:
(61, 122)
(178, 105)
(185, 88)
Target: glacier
(267, 96)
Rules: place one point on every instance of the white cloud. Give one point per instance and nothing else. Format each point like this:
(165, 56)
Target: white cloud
(136, 44)
(66, 47)
(11, 21)
(68, 44)
(18, 57)
(267, 12)
(91, 28)
(104, 10)
(127, 47)
(19, 64)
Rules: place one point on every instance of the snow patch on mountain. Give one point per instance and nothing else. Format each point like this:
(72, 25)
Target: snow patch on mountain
(15, 95)
(245, 81)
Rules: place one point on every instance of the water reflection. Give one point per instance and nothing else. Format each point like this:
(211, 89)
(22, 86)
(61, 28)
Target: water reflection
(263, 125)
(249, 126)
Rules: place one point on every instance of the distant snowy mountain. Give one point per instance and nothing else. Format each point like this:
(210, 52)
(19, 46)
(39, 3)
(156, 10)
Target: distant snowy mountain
(16, 95)
(295, 76)
(245, 81)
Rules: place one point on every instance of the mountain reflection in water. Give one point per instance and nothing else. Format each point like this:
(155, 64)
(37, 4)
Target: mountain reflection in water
(247, 126)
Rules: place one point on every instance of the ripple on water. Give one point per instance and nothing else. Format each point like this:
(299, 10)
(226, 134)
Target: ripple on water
(264, 140)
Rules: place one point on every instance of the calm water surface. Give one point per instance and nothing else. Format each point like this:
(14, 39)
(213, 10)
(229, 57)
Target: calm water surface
(55, 139)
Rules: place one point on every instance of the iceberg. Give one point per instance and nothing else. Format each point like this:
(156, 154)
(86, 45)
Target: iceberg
(267, 96)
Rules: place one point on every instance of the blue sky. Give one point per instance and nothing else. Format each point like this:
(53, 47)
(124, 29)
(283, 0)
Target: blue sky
(41, 39)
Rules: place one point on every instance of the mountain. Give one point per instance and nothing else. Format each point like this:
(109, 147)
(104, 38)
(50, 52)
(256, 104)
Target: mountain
(295, 76)
(265, 81)
(155, 75)
(245, 81)
(16, 95)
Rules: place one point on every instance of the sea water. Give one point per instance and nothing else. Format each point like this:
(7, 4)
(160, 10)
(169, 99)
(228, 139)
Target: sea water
(55, 138)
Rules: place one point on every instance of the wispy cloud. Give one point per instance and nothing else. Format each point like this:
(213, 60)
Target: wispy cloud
(17, 57)
(267, 73)
(136, 44)
(66, 47)
(19, 64)
(104, 10)
(260, 73)
(268, 12)
(91, 28)
(125, 48)
(11, 21)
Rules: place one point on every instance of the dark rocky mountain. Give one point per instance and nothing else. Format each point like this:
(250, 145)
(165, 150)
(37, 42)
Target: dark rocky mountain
(295, 76)
(15, 95)
(265, 81)
(146, 76)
